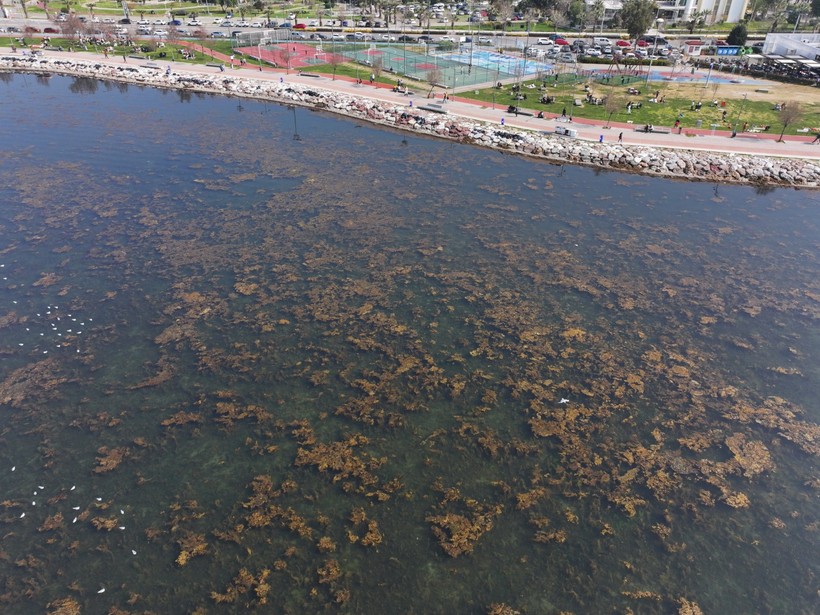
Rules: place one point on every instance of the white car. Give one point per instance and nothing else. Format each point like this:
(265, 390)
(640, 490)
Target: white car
(143, 22)
(545, 41)
(108, 20)
(243, 24)
(256, 24)
(388, 38)
(160, 33)
(485, 40)
(194, 22)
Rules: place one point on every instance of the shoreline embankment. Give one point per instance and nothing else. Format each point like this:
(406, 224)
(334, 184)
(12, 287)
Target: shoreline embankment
(678, 163)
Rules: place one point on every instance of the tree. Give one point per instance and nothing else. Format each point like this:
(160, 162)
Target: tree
(596, 12)
(434, 78)
(738, 35)
(504, 10)
(637, 16)
(788, 114)
(697, 19)
(577, 13)
(611, 104)
(72, 26)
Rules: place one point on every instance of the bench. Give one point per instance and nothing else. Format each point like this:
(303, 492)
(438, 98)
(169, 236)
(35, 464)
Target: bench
(301, 74)
(655, 130)
(433, 107)
(212, 65)
(518, 111)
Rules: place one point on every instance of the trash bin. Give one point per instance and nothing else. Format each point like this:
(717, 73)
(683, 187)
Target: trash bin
(699, 123)
(722, 103)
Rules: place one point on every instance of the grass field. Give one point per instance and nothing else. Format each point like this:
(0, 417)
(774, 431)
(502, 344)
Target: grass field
(677, 104)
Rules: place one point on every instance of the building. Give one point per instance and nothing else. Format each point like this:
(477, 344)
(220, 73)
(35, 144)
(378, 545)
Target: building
(805, 45)
(717, 11)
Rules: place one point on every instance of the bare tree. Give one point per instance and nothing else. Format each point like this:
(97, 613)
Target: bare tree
(377, 67)
(788, 114)
(286, 54)
(335, 60)
(611, 104)
(434, 77)
(72, 26)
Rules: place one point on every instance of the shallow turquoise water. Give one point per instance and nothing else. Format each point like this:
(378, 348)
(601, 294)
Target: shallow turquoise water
(410, 313)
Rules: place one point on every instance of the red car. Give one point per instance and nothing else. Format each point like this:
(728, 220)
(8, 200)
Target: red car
(561, 41)
(300, 26)
(51, 30)
(622, 43)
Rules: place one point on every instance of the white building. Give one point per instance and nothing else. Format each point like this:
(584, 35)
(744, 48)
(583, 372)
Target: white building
(728, 11)
(800, 44)
(717, 11)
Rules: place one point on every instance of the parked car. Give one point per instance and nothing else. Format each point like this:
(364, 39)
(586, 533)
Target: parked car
(51, 30)
(175, 22)
(485, 40)
(194, 22)
(544, 41)
(124, 20)
(406, 39)
(300, 26)
(218, 34)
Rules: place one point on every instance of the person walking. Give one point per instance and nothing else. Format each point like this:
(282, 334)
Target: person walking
(816, 138)
(621, 138)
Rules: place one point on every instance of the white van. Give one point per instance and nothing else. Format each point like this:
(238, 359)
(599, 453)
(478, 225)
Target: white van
(601, 40)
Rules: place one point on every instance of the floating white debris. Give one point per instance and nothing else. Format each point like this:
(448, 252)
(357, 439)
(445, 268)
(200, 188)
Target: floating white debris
(75, 508)
(122, 527)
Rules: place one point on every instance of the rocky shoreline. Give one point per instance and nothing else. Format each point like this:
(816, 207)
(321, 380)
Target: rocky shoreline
(676, 164)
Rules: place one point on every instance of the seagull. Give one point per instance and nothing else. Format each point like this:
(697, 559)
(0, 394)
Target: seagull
(102, 591)
(73, 487)
(75, 508)
(133, 552)
(563, 400)
(22, 515)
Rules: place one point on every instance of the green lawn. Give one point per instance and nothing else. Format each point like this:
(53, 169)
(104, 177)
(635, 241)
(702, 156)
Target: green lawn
(756, 113)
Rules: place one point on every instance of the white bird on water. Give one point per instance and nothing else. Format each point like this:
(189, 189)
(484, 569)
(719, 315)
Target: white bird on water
(563, 400)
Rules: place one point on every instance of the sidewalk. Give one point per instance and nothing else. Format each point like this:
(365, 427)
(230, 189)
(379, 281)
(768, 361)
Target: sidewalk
(744, 143)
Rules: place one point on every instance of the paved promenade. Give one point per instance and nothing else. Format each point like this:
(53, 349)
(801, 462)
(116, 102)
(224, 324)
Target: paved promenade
(704, 140)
